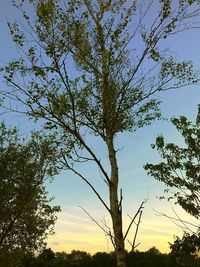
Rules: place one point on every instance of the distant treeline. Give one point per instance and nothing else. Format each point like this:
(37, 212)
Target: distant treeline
(150, 258)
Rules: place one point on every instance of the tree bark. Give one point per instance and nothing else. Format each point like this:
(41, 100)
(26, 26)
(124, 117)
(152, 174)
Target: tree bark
(115, 206)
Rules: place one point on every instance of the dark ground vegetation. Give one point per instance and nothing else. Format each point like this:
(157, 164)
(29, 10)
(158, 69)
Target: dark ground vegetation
(150, 258)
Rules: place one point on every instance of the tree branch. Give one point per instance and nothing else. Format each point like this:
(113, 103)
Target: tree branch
(135, 216)
(87, 182)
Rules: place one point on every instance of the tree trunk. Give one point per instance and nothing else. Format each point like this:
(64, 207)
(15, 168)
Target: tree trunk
(115, 204)
(118, 239)
(116, 207)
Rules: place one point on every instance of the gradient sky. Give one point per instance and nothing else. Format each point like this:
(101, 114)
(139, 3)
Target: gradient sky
(74, 230)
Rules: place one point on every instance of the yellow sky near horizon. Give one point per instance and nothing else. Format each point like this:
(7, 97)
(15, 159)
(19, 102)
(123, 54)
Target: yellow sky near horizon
(78, 232)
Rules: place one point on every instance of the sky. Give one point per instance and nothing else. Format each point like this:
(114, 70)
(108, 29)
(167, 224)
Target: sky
(74, 229)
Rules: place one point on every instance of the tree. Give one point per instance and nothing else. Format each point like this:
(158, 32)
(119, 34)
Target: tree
(26, 215)
(188, 245)
(47, 255)
(101, 259)
(119, 64)
(185, 250)
(153, 250)
(180, 169)
(80, 258)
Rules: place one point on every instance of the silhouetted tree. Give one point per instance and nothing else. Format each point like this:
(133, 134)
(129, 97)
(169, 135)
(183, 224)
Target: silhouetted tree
(103, 259)
(26, 216)
(154, 250)
(189, 244)
(47, 255)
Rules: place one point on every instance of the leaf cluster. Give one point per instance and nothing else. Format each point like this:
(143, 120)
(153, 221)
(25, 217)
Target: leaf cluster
(180, 168)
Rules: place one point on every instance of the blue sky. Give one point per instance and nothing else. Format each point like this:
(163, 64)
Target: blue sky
(74, 230)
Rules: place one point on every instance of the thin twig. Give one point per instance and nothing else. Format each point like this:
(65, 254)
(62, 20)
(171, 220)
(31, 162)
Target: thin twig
(107, 232)
(136, 232)
(133, 219)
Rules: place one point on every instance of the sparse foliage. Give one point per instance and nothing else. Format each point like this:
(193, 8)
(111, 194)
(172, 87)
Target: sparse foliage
(180, 169)
(93, 68)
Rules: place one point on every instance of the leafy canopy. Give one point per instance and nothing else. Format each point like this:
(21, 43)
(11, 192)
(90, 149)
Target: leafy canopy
(95, 64)
(26, 214)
